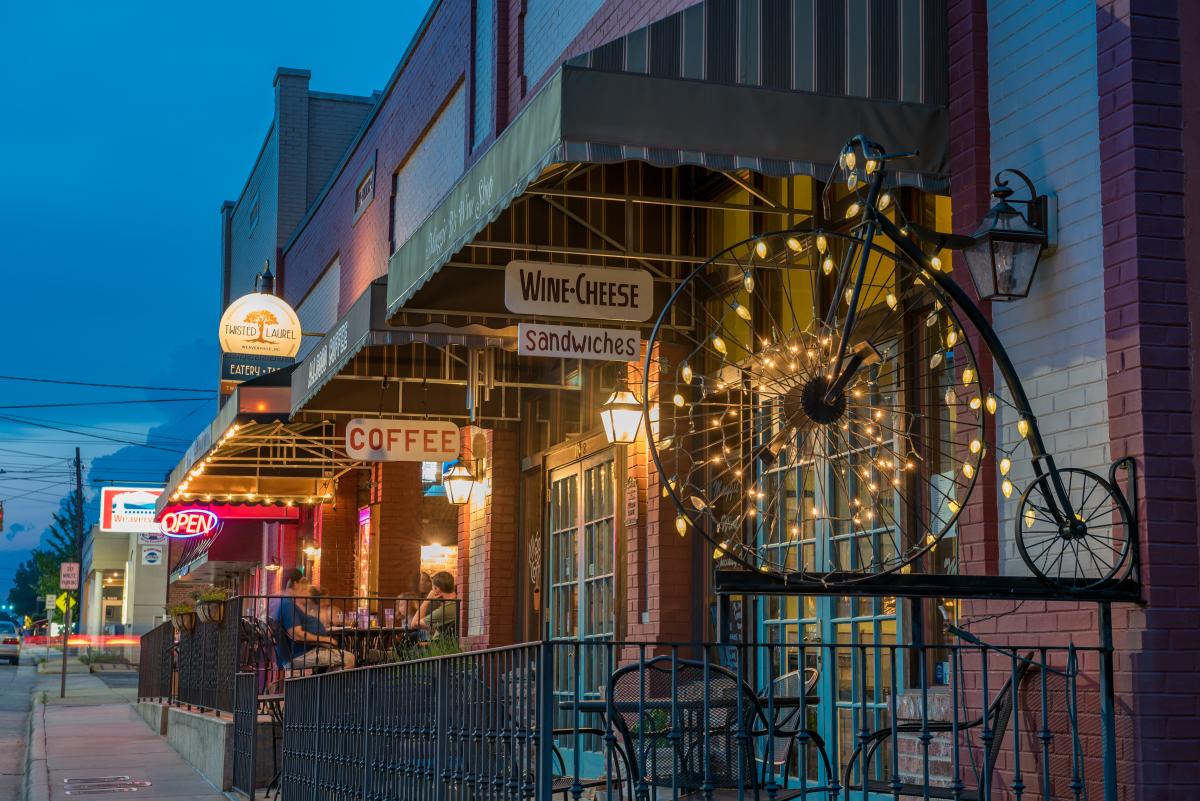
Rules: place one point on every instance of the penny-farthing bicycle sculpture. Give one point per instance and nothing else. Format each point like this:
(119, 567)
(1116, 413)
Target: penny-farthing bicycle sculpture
(825, 415)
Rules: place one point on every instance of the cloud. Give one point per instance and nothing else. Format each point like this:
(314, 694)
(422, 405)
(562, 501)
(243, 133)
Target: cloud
(14, 530)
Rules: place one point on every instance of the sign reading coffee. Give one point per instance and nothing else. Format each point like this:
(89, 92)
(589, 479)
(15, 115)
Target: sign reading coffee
(565, 290)
(402, 440)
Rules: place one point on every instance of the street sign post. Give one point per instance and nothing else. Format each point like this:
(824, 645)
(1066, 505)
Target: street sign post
(68, 579)
(50, 598)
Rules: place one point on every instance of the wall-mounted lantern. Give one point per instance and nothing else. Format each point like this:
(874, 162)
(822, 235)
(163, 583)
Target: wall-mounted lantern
(621, 415)
(1008, 244)
(459, 482)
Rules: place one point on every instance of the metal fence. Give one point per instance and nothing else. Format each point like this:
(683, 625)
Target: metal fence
(208, 657)
(156, 662)
(245, 729)
(641, 721)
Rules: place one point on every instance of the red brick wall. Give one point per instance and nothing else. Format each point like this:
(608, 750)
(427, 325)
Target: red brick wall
(396, 496)
(337, 527)
(489, 522)
(1151, 392)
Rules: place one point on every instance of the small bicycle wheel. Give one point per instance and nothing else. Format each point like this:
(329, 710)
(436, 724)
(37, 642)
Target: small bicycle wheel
(1083, 550)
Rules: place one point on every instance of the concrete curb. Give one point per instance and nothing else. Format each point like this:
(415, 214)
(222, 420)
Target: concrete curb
(37, 771)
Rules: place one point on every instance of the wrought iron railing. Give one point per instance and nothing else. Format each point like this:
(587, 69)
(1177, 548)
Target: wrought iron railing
(156, 662)
(245, 727)
(640, 721)
(208, 657)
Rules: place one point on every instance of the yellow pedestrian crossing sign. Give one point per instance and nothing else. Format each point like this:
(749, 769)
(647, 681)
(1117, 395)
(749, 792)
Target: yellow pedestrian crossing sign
(62, 602)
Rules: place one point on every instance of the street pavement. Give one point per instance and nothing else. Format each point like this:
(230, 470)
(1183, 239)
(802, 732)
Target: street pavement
(95, 732)
(16, 685)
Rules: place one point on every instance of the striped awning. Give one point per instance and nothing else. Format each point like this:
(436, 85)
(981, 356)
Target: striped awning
(771, 86)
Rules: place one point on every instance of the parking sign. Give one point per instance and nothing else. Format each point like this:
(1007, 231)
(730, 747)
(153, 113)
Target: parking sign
(68, 576)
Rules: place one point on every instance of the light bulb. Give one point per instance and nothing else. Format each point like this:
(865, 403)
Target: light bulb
(935, 263)
(991, 403)
(681, 525)
(685, 372)
(935, 360)
(871, 166)
(1006, 487)
(822, 243)
(793, 244)
(891, 300)
(968, 470)
(853, 210)
(718, 552)
(950, 397)
(719, 345)
(1029, 518)
(827, 265)
(849, 160)
(1023, 427)
(678, 399)
(951, 338)
(975, 404)
(884, 201)
(760, 247)
(953, 507)
(741, 311)
(748, 281)
(976, 446)
(968, 375)
(1005, 466)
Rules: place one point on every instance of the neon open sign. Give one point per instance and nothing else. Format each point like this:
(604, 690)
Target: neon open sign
(190, 523)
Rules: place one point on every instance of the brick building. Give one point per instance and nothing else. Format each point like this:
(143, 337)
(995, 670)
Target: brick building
(597, 134)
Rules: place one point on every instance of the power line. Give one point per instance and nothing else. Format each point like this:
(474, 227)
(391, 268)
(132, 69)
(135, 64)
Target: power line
(86, 434)
(104, 403)
(105, 386)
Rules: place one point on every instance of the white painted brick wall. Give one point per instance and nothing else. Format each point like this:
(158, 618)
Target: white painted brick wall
(1045, 122)
(435, 164)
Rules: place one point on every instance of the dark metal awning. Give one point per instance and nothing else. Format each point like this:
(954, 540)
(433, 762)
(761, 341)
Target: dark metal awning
(717, 86)
(364, 325)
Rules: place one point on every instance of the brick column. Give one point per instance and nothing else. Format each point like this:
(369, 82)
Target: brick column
(487, 542)
(1149, 276)
(658, 576)
(396, 507)
(335, 527)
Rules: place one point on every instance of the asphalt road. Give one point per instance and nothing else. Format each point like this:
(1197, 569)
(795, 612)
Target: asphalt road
(16, 684)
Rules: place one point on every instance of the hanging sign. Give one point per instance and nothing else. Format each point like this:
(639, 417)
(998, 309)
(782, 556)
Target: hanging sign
(402, 440)
(128, 509)
(631, 502)
(245, 366)
(187, 523)
(577, 342)
(152, 555)
(260, 324)
(567, 290)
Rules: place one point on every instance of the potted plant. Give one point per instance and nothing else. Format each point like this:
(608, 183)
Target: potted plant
(210, 604)
(183, 616)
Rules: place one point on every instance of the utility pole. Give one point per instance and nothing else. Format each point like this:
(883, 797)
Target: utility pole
(62, 690)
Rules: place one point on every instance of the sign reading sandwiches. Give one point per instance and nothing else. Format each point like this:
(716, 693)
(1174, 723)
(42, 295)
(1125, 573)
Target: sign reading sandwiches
(402, 440)
(565, 290)
(577, 342)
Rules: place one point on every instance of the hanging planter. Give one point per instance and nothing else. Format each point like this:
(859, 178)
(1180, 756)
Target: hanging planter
(183, 617)
(210, 604)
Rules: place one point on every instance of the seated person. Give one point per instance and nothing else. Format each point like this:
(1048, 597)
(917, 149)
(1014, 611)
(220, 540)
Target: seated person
(439, 610)
(328, 609)
(302, 640)
(411, 607)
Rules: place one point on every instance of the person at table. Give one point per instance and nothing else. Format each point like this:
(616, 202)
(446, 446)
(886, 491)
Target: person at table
(412, 607)
(439, 610)
(302, 640)
(331, 613)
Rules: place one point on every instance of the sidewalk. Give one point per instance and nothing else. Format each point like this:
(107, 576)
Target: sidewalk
(95, 732)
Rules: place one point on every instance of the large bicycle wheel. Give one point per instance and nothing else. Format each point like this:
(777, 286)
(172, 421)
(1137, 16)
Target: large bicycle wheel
(1087, 549)
(799, 438)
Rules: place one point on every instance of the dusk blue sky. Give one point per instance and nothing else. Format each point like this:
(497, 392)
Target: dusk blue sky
(125, 126)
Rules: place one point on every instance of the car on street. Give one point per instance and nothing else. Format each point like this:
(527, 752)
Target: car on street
(10, 642)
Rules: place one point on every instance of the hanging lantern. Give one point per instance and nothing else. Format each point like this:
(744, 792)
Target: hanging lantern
(459, 482)
(1008, 244)
(621, 415)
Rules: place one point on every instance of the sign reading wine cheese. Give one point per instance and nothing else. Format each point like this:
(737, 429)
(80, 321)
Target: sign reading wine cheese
(566, 290)
(402, 440)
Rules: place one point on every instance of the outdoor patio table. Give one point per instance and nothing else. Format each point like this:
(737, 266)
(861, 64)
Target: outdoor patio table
(600, 705)
(361, 641)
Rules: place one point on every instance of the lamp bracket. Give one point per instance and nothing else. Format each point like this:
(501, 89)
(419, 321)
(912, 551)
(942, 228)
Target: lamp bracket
(1037, 207)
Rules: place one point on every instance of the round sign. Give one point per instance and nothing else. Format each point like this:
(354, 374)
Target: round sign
(190, 523)
(262, 324)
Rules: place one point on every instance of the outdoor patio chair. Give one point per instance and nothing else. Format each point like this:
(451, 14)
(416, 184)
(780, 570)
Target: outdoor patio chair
(998, 715)
(712, 745)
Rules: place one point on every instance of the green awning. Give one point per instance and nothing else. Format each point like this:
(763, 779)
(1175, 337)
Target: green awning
(584, 115)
